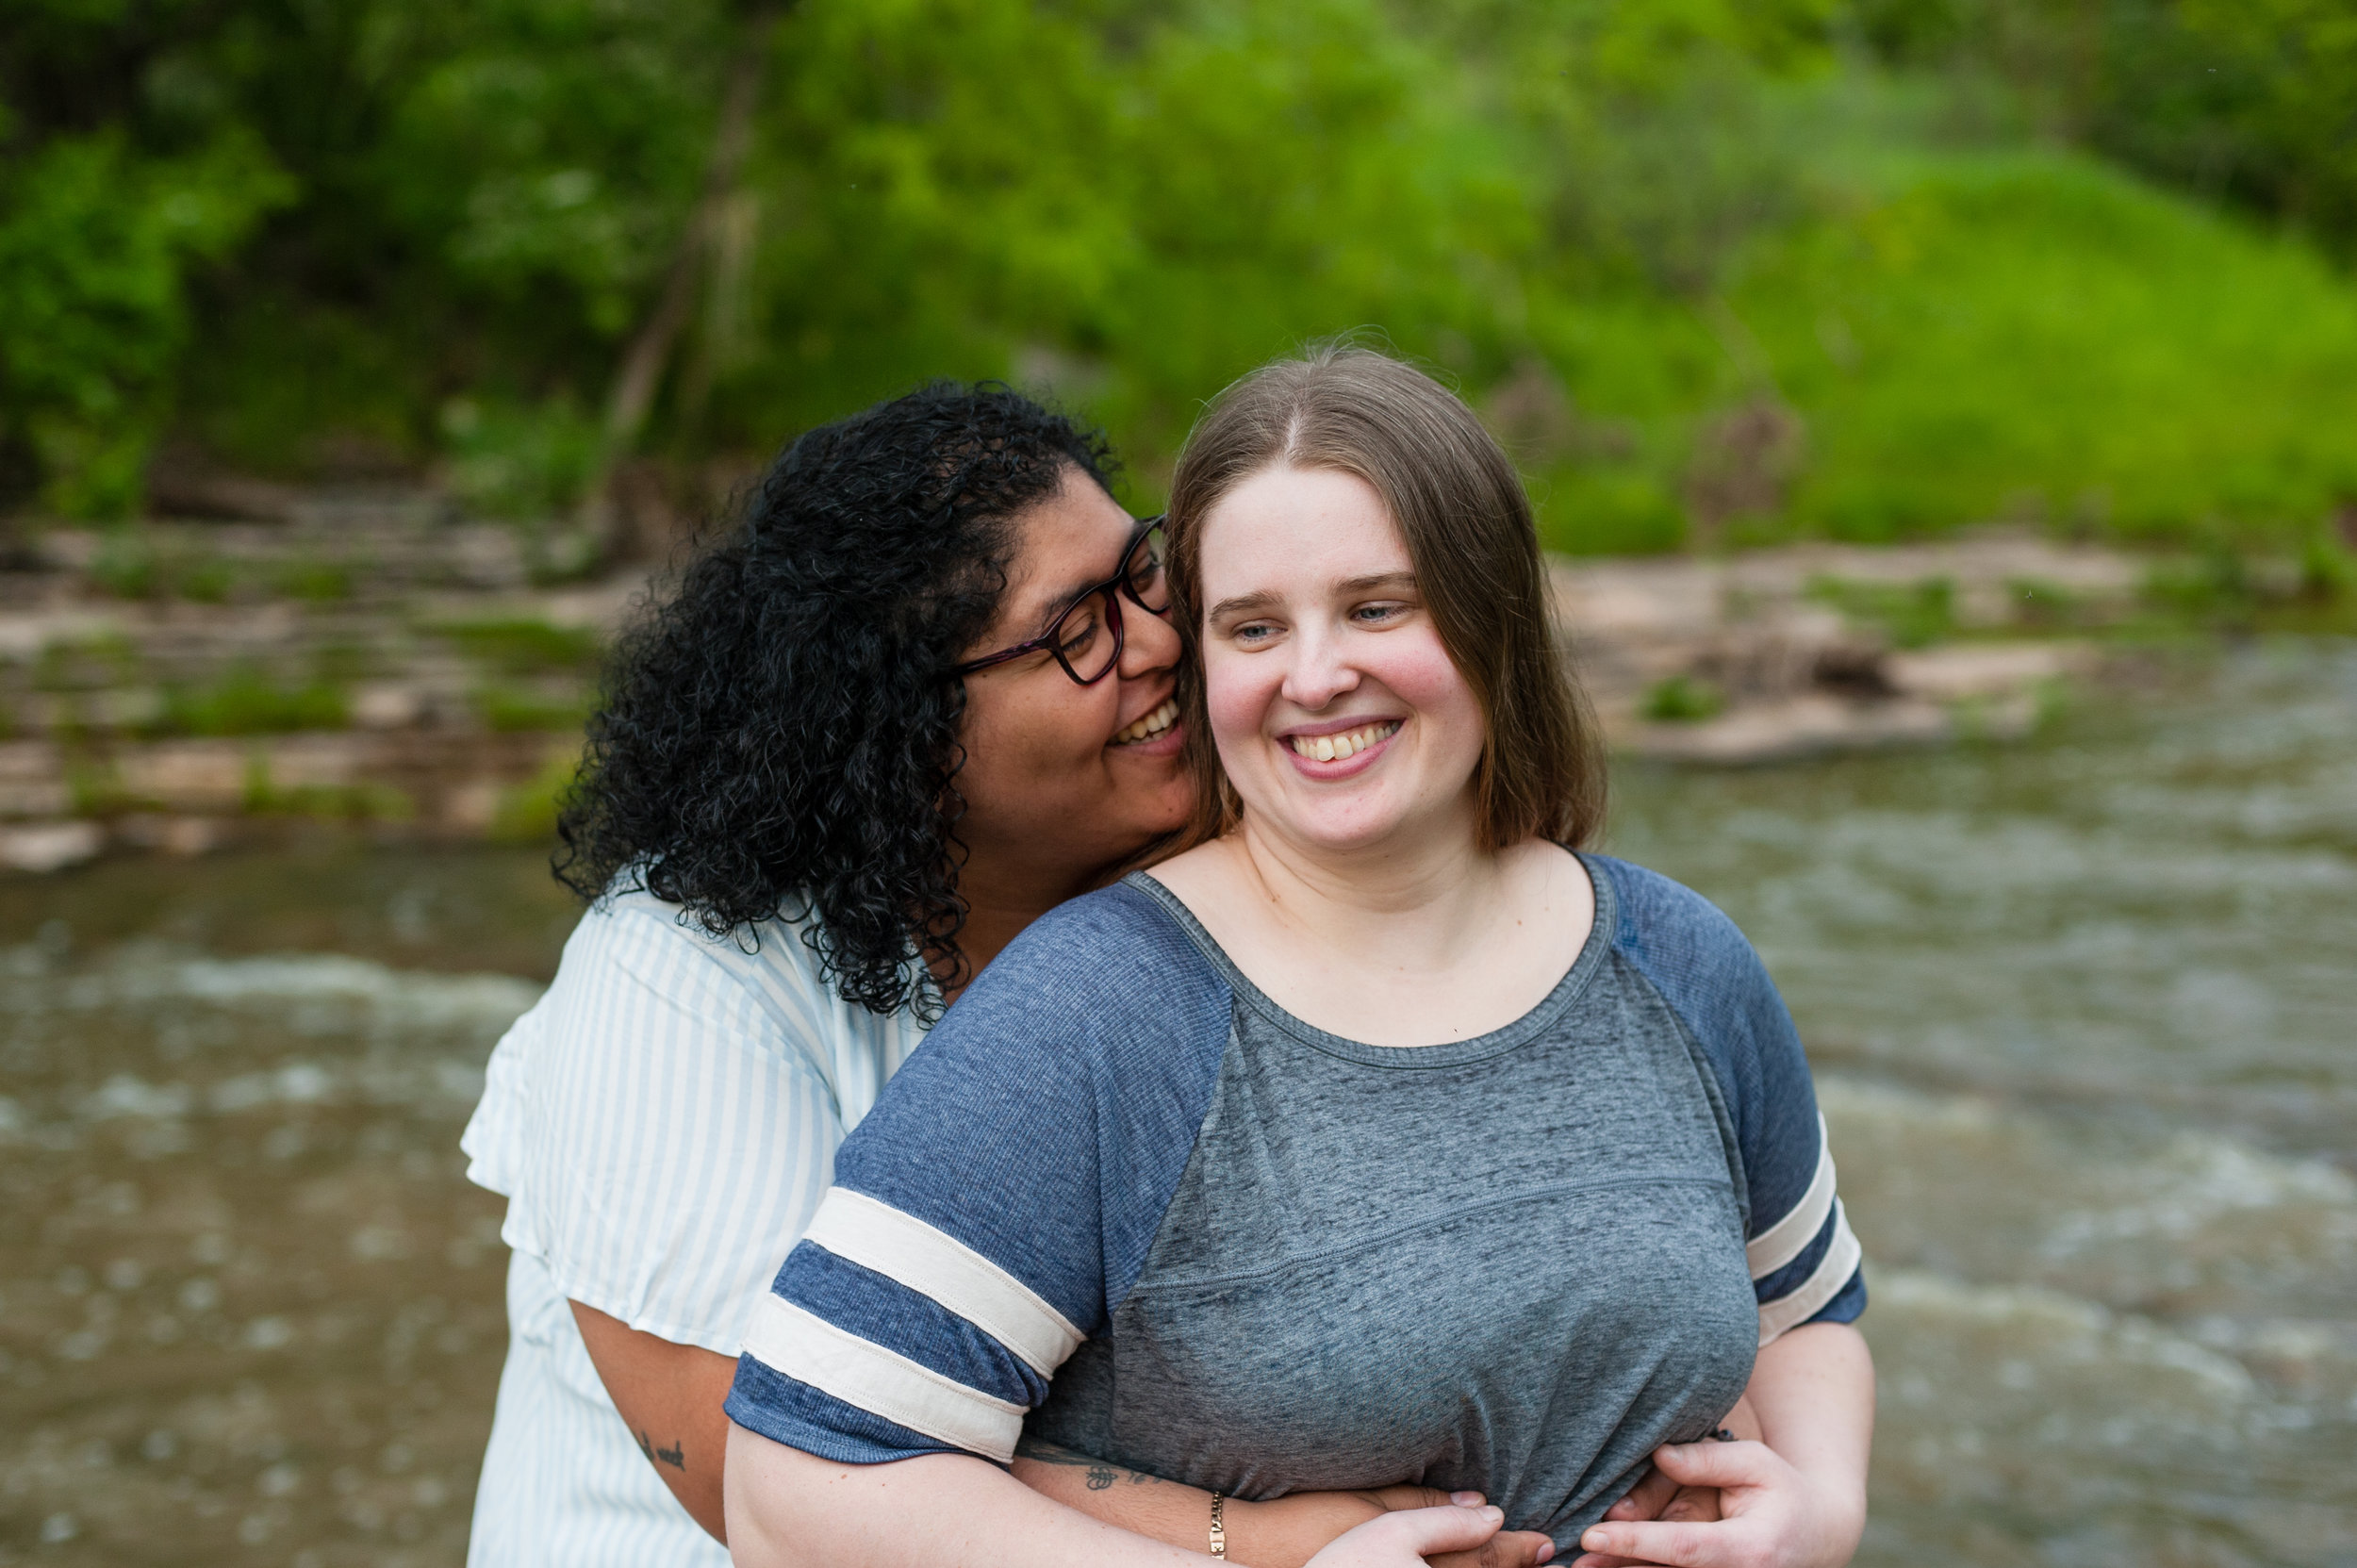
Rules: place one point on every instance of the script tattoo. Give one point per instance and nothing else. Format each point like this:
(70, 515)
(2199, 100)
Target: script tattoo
(675, 1456)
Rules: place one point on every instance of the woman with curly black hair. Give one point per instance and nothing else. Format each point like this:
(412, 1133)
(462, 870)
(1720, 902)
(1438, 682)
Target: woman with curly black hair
(923, 693)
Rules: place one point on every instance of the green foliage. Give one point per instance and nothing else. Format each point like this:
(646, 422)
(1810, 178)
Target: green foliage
(511, 709)
(1912, 615)
(524, 647)
(1720, 271)
(1684, 700)
(508, 460)
(244, 701)
(527, 813)
(2252, 100)
(96, 240)
(361, 803)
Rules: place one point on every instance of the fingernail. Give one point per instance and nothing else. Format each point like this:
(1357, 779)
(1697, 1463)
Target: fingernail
(1466, 1499)
(1546, 1550)
(1596, 1541)
(1495, 1515)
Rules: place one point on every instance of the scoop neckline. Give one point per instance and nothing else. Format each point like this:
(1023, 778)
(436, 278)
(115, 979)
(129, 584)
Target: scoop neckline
(1497, 1042)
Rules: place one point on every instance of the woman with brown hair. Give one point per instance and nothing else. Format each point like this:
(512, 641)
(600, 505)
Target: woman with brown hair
(1190, 1178)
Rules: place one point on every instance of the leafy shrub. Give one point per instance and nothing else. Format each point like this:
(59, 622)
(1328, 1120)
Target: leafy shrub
(97, 240)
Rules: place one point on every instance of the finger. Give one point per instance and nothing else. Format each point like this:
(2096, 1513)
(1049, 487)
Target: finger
(1427, 1530)
(1718, 1464)
(1506, 1549)
(1674, 1545)
(1644, 1499)
(1694, 1505)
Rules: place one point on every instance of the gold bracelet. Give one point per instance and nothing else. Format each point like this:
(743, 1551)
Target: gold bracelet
(1219, 1527)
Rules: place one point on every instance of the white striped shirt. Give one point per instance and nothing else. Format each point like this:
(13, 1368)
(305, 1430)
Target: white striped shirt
(663, 1124)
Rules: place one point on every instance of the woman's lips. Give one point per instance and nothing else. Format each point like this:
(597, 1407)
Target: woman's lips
(1154, 732)
(1340, 753)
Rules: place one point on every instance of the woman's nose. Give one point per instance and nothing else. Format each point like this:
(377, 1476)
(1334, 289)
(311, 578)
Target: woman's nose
(1318, 673)
(1149, 644)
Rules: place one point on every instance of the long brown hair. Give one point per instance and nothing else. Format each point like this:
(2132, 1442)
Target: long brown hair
(1461, 511)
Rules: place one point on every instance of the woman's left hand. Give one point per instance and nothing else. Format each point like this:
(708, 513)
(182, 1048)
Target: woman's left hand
(1771, 1515)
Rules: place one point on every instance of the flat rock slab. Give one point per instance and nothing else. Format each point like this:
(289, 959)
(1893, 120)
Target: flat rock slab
(1794, 727)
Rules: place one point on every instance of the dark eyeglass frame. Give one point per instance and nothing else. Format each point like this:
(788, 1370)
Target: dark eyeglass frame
(1114, 589)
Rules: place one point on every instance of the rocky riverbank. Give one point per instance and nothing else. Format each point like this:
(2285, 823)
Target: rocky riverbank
(372, 663)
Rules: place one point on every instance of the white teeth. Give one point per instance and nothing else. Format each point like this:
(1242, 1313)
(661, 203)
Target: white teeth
(1349, 743)
(1151, 725)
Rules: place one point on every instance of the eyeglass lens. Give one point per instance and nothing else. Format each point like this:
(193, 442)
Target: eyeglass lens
(1088, 636)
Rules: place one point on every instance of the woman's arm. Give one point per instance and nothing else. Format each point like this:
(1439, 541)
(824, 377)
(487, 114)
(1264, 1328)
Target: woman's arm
(789, 1509)
(1285, 1533)
(669, 1396)
(1795, 1499)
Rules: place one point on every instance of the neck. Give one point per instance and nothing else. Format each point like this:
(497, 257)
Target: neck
(1005, 892)
(1424, 896)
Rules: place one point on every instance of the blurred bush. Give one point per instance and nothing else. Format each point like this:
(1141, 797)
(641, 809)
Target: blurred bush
(1716, 268)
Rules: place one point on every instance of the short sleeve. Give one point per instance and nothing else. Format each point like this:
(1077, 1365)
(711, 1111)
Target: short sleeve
(1002, 1193)
(659, 1143)
(1806, 1264)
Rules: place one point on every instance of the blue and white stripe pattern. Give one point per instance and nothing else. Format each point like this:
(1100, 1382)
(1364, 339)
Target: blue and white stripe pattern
(664, 1124)
(1813, 1228)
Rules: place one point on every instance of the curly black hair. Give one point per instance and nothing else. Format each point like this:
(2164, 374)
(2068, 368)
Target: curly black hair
(780, 737)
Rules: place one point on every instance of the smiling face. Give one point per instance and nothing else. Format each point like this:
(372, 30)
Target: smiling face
(1340, 717)
(1060, 779)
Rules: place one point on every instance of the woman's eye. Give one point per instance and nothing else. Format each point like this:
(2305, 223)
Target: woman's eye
(1076, 632)
(1376, 614)
(1253, 631)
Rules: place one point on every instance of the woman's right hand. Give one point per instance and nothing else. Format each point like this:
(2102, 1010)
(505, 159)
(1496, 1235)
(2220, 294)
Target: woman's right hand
(1410, 1538)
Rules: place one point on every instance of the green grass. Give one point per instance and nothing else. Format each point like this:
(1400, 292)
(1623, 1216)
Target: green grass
(1912, 615)
(244, 701)
(523, 647)
(2025, 336)
(1684, 700)
(527, 812)
(510, 709)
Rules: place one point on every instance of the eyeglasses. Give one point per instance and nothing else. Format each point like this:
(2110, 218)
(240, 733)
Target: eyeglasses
(1086, 638)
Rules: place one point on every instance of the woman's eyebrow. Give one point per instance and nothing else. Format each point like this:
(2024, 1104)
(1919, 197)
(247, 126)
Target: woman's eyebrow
(1379, 580)
(1244, 603)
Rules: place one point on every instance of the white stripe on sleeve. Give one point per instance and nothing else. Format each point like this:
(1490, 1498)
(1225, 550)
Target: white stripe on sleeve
(1839, 1262)
(932, 1262)
(859, 1372)
(1786, 1240)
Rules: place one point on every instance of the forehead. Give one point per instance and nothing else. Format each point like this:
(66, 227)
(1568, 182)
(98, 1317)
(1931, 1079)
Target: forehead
(1063, 546)
(1288, 525)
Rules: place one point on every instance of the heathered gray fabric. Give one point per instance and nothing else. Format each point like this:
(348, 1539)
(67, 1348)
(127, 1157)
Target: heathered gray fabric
(1513, 1262)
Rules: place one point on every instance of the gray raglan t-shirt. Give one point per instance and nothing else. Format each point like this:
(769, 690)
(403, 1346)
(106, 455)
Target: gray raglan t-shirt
(1123, 1200)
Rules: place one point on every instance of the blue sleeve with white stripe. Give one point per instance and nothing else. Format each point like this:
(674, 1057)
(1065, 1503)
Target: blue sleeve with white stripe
(997, 1201)
(1805, 1261)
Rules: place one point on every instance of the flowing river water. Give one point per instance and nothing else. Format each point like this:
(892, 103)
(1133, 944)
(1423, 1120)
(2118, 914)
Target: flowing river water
(2083, 1012)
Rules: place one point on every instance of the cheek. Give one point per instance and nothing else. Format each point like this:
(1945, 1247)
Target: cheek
(1033, 742)
(1418, 672)
(1237, 691)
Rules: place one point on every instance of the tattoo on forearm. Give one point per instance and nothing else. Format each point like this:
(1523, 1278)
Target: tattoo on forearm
(675, 1456)
(1100, 1475)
